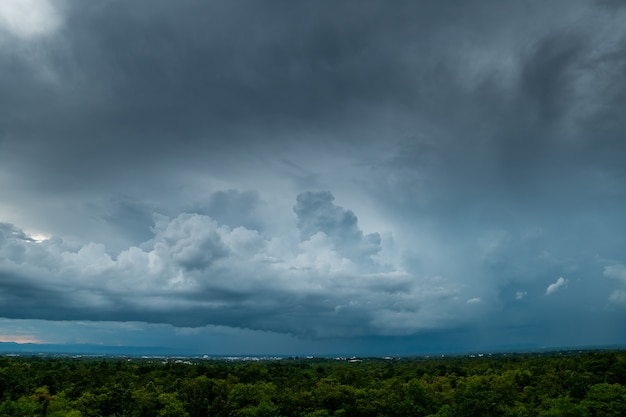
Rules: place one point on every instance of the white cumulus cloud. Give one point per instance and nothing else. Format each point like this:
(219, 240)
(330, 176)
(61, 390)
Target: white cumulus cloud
(196, 272)
(618, 297)
(616, 271)
(555, 286)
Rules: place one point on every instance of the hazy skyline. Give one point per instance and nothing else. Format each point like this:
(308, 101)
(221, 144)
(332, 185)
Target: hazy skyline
(299, 177)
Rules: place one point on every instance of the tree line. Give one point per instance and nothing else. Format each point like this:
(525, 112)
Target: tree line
(589, 384)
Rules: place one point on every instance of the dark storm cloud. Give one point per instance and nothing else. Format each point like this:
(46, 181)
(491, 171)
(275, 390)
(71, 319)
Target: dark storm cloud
(481, 144)
(544, 135)
(172, 70)
(131, 86)
(317, 213)
(547, 78)
(123, 81)
(231, 207)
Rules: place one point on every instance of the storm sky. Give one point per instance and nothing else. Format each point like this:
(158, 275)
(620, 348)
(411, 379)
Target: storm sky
(299, 177)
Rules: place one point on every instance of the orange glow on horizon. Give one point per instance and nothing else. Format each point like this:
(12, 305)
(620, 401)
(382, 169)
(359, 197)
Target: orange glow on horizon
(19, 339)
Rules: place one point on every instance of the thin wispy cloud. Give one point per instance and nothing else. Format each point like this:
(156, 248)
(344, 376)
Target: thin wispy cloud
(617, 272)
(556, 286)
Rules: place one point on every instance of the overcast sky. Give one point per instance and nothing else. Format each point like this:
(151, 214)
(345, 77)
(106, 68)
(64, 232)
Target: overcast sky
(365, 177)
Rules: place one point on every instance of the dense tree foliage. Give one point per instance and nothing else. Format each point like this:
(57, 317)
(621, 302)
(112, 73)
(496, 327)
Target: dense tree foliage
(591, 384)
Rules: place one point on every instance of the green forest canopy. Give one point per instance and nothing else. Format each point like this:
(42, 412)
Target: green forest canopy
(557, 384)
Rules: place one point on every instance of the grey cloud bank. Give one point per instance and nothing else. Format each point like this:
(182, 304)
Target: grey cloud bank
(411, 171)
(195, 272)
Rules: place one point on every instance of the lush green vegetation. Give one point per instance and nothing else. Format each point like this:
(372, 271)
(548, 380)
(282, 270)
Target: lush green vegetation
(566, 384)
